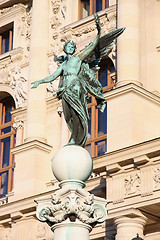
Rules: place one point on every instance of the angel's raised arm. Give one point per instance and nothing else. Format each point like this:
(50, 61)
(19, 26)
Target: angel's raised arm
(50, 78)
(93, 44)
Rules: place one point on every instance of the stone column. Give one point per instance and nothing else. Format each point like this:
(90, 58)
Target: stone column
(129, 227)
(38, 69)
(128, 44)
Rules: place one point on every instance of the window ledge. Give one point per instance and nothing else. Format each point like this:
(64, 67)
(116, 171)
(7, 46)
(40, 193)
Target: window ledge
(16, 53)
(85, 20)
(5, 200)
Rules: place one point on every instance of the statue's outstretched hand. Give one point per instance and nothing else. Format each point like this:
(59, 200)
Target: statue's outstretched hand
(35, 84)
(98, 25)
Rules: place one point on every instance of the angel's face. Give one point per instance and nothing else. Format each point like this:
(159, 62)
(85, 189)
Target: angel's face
(69, 48)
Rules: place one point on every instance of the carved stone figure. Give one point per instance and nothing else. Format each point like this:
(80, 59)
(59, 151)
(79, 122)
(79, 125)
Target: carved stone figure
(19, 85)
(78, 78)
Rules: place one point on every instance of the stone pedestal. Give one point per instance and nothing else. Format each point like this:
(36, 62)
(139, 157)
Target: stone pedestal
(71, 211)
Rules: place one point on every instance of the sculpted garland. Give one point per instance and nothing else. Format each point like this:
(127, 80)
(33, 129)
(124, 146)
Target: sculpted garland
(77, 79)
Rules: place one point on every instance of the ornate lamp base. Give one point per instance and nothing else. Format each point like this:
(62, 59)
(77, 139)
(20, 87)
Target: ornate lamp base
(71, 211)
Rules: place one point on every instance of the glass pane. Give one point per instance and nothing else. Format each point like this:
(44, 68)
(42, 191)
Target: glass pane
(103, 78)
(4, 183)
(8, 114)
(6, 44)
(89, 123)
(102, 122)
(101, 147)
(6, 130)
(98, 5)
(88, 148)
(85, 8)
(6, 152)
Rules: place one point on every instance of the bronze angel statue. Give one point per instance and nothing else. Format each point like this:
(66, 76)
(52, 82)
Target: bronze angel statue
(77, 79)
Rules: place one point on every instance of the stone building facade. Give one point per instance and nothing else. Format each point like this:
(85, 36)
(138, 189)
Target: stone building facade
(126, 143)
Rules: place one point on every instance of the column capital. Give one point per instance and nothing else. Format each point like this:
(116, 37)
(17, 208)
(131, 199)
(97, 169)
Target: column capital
(130, 224)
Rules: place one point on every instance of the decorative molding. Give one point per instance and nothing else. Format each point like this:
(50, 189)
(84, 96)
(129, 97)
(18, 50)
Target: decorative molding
(30, 145)
(131, 87)
(18, 125)
(57, 20)
(71, 204)
(83, 31)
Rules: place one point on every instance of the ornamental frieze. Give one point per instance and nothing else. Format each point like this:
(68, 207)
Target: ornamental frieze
(132, 184)
(157, 177)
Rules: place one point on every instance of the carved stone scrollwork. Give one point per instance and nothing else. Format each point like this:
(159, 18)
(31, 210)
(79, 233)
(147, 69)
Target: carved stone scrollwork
(72, 205)
(58, 16)
(18, 124)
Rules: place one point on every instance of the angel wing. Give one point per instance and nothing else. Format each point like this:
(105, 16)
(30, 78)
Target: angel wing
(103, 47)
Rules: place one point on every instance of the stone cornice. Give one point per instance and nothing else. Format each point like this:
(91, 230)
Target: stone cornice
(131, 87)
(9, 14)
(19, 114)
(83, 21)
(9, 3)
(32, 145)
(15, 54)
(20, 208)
(137, 152)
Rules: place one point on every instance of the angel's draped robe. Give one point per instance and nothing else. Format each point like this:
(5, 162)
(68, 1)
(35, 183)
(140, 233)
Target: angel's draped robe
(74, 101)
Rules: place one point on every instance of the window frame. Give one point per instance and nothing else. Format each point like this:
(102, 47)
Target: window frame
(94, 111)
(92, 8)
(11, 134)
(7, 29)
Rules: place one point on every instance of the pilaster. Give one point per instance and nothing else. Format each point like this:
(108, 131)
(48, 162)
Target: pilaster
(38, 69)
(128, 45)
(32, 169)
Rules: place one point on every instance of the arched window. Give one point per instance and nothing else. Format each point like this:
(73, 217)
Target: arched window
(97, 126)
(7, 141)
(88, 7)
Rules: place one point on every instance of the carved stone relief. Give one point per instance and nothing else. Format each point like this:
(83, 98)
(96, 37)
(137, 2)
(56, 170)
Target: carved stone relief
(132, 184)
(57, 20)
(19, 84)
(41, 231)
(157, 177)
(52, 87)
(24, 30)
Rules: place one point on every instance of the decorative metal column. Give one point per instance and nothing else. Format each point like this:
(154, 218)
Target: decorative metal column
(71, 211)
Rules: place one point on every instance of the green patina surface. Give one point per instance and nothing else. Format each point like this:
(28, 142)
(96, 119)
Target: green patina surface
(77, 79)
